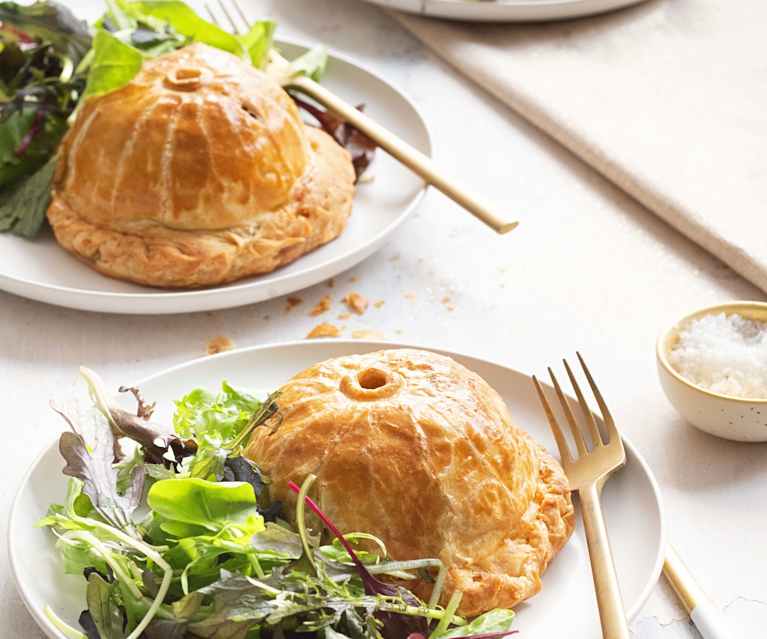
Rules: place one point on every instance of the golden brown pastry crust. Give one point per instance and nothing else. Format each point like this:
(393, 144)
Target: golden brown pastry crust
(427, 459)
(198, 172)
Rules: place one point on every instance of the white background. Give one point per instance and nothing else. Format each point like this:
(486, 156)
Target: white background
(588, 269)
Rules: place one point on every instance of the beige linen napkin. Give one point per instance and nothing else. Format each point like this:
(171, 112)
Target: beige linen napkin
(667, 99)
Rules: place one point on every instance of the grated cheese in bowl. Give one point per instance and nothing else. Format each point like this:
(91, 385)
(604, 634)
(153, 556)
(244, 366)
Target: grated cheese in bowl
(724, 353)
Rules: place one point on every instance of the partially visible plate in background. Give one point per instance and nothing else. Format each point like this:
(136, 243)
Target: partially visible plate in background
(505, 10)
(41, 270)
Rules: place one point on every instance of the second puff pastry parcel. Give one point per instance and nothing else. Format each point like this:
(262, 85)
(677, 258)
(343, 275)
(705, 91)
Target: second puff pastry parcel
(198, 172)
(421, 452)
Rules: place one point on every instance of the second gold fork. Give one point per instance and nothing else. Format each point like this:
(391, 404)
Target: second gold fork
(586, 472)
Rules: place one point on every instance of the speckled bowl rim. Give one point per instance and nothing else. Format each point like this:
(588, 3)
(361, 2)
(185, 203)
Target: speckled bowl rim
(662, 352)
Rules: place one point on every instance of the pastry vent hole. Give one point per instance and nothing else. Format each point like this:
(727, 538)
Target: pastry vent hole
(184, 79)
(372, 378)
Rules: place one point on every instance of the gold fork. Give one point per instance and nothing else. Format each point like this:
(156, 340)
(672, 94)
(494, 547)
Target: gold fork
(587, 472)
(419, 163)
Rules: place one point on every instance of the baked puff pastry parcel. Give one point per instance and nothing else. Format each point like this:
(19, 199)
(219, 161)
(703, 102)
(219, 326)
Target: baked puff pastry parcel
(198, 172)
(421, 452)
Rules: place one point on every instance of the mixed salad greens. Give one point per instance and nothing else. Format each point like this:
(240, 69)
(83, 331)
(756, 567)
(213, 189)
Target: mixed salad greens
(178, 538)
(50, 61)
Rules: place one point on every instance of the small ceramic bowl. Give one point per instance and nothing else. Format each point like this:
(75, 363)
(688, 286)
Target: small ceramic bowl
(736, 418)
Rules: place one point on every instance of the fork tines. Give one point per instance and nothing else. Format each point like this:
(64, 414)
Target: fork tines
(589, 424)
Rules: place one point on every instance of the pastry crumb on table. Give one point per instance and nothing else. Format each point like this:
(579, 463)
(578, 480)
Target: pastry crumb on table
(292, 302)
(219, 344)
(321, 306)
(378, 303)
(356, 302)
(326, 329)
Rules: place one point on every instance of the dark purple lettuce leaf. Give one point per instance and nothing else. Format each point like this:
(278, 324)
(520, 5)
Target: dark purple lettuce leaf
(360, 146)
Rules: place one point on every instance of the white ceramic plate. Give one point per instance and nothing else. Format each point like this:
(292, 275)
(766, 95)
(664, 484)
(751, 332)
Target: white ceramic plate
(43, 271)
(506, 10)
(566, 606)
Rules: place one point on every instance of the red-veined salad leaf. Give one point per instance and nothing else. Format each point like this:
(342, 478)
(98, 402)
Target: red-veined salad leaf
(360, 146)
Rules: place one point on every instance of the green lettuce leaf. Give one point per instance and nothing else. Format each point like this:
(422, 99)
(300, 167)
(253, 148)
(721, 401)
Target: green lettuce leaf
(221, 416)
(258, 41)
(113, 65)
(278, 542)
(184, 20)
(205, 504)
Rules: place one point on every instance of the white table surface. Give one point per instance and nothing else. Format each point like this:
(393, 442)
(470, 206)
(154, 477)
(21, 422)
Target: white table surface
(588, 269)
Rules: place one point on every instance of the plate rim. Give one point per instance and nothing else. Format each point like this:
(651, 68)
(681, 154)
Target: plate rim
(233, 289)
(502, 10)
(363, 346)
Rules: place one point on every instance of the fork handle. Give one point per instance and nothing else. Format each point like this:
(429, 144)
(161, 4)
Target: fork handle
(611, 612)
(411, 157)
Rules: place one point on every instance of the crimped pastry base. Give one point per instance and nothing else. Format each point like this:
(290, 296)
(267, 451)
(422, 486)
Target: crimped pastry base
(418, 450)
(155, 255)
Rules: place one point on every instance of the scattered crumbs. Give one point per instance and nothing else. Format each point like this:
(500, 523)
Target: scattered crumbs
(356, 302)
(321, 306)
(219, 344)
(366, 333)
(344, 316)
(394, 258)
(331, 283)
(292, 302)
(353, 279)
(448, 303)
(324, 330)
(410, 295)
(378, 304)
(266, 317)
